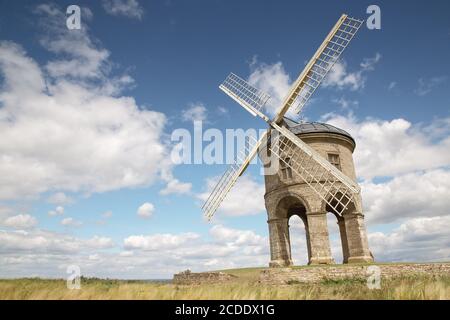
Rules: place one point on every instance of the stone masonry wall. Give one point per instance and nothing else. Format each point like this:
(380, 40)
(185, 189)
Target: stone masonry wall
(317, 274)
(187, 277)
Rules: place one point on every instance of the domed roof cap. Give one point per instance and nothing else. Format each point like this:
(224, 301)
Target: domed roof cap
(314, 127)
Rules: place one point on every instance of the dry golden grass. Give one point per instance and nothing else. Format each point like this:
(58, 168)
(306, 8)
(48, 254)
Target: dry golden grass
(422, 287)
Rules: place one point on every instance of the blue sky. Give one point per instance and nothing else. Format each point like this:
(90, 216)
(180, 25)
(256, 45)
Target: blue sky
(143, 69)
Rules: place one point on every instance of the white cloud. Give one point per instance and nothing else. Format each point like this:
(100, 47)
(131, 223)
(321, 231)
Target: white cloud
(340, 78)
(418, 194)
(272, 79)
(389, 148)
(63, 131)
(127, 8)
(412, 159)
(59, 198)
(59, 211)
(195, 112)
(345, 103)
(176, 187)
(41, 241)
(236, 236)
(426, 85)
(98, 242)
(107, 214)
(71, 222)
(245, 198)
(21, 221)
(159, 241)
(419, 239)
(82, 58)
(146, 210)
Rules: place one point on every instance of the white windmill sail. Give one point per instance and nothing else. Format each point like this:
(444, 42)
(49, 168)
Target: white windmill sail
(320, 64)
(252, 99)
(234, 171)
(327, 181)
(334, 187)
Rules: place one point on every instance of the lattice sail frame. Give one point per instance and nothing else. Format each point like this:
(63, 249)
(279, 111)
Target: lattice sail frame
(252, 99)
(234, 171)
(335, 188)
(320, 64)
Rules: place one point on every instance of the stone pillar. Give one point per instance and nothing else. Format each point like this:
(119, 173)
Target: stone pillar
(344, 242)
(320, 252)
(358, 247)
(280, 250)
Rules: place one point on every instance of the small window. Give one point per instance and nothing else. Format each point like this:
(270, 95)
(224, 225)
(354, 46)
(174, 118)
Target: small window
(286, 171)
(334, 160)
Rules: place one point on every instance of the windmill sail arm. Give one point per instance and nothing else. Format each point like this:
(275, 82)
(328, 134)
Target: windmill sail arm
(329, 185)
(320, 64)
(229, 178)
(315, 156)
(250, 98)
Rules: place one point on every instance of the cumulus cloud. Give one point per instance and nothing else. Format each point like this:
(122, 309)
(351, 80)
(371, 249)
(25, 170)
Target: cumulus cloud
(21, 221)
(272, 79)
(235, 236)
(71, 222)
(59, 198)
(59, 211)
(64, 126)
(418, 194)
(393, 147)
(146, 210)
(418, 239)
(158, 241)
(174, 186)
(339, 77)
(126, 8)
(195, 112)
(41, 241)
(98, 242)
(245, 198)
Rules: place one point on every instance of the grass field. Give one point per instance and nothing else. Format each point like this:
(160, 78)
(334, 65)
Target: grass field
(423, 287)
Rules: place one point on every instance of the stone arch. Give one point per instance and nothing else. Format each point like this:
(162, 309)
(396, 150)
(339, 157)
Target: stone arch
(352, 232)
(295, 206)
(273, 201)
(342, 231)
(281, 207)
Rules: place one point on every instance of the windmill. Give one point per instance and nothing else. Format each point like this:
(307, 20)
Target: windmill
(329, 183)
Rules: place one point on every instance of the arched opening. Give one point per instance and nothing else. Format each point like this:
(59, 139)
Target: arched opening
(337, 232)
(294, 210)
(337, 239)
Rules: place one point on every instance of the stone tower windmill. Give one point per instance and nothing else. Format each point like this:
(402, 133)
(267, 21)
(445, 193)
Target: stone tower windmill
(314, 167)
(287, 195)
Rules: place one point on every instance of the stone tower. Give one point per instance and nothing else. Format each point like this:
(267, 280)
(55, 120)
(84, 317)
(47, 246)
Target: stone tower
(287, 195)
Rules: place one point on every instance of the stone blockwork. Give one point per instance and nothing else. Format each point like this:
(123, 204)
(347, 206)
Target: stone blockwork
(190, 278)
(288, 195)
(320, 273)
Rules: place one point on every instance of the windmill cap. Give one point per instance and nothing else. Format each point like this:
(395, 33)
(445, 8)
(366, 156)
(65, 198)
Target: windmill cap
(314, 127)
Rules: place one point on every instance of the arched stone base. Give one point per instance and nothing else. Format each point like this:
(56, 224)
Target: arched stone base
(284, 204)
